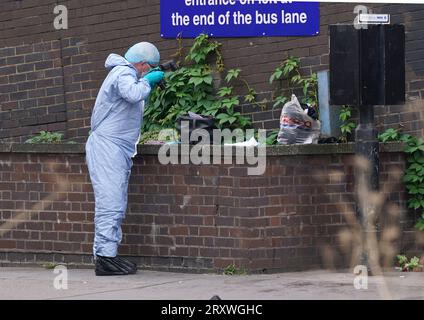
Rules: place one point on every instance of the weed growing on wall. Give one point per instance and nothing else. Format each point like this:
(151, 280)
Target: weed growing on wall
(409, 265)
(48, 137)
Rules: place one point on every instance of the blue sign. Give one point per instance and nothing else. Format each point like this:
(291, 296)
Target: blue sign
(238, 18)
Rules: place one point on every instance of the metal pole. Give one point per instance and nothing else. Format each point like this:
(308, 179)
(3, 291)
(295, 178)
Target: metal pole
(367, 177)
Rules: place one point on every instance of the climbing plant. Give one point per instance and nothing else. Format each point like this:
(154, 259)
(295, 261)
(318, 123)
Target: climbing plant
(414, 174)
(290, 70)
(250, 97)
(347, 125)
(191, 88)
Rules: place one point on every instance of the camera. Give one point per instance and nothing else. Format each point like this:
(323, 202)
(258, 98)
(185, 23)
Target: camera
(167, 66)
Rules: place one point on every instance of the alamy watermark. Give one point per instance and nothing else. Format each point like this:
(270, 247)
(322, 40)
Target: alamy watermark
(360, 9)
(61, 20)
(209, 149)
(361, 280)
(60, 282)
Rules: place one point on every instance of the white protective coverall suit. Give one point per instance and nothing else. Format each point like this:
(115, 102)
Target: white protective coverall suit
(115, 130)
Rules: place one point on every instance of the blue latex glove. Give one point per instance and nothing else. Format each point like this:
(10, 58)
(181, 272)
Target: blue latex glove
(154, 77)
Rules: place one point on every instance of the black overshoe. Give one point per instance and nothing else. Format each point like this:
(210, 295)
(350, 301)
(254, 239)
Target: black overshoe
(114, 266)
(132, 267)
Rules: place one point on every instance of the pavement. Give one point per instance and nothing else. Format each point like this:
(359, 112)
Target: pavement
(18, 283)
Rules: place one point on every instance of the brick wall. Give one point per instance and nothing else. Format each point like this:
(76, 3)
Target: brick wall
(33, 89)
(46, 87)
(185, 217)
(99, 27)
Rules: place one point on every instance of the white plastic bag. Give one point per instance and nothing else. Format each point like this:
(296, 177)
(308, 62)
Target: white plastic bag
(296, 127)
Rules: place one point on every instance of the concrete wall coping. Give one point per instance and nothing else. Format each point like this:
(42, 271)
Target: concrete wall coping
(279, 150)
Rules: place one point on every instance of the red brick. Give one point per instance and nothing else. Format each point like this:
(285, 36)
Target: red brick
(8, 244)
(181, 230)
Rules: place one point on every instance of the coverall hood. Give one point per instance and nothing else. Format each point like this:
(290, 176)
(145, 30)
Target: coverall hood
(114, 60)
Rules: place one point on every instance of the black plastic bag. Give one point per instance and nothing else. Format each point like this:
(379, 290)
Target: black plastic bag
(192, 122)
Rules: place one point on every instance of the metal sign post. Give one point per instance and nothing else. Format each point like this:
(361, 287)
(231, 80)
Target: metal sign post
(367, 68)
(366, 174)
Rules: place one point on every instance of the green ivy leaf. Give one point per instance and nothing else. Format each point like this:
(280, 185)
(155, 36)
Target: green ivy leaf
(222, 116)
(297, 79)
(276, 75)
(244, 122)
(389, 135)
(280, 101)
(272, 138)
(414, 204)
(229, 103)
(232, 74)
(231, 120)
(208, 79)
(420, 223)
(251, 96)
(225, 91)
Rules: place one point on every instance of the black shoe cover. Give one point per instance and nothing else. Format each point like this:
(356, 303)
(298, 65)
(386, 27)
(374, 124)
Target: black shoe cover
(129, 264)
(114, 266)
